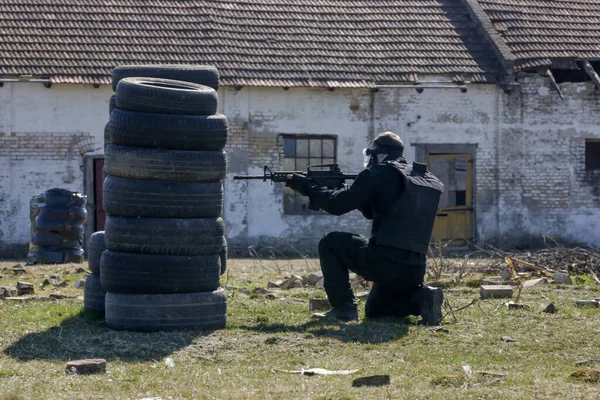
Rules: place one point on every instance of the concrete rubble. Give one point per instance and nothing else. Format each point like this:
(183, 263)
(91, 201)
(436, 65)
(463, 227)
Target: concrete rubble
(274, 284)
(587, 303)
(312, 279)
(562, 278)
(8, 291)
(535, 282)
(292, 282)
(24, 288)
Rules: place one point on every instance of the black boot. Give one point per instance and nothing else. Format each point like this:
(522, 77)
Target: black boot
(345, 313)
(429, 301)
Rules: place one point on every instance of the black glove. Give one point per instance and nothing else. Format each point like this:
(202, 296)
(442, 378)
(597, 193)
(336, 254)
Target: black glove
(299, 183)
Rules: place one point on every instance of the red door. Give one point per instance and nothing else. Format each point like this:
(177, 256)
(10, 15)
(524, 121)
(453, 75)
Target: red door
(100, 214)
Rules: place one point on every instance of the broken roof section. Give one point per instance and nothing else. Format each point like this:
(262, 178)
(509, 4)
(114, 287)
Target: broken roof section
(327, 43)
(543, 33)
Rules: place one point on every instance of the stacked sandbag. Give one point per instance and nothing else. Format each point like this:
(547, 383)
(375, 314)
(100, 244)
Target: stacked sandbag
(57, 227)
(163, 196)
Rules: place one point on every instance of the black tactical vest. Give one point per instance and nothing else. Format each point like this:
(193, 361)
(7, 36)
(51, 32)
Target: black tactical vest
(408, 224)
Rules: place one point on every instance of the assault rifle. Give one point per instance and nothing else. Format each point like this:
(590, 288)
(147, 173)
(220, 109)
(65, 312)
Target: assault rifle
(329, 175)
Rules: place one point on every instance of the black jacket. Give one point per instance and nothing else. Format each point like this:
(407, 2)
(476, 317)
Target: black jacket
(374, 191)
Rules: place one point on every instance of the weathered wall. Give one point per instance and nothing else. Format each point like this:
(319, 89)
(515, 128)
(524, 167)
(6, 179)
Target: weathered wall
(529, 163)
(543, 186)
(258, 116)
(530, 177)
(43, 133)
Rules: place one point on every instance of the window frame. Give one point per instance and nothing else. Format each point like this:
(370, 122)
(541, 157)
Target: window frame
(294, 210)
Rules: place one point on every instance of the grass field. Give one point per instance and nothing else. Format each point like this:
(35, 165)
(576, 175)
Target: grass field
(266, 335)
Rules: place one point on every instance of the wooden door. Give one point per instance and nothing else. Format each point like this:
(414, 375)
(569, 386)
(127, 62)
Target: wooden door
(453, 221)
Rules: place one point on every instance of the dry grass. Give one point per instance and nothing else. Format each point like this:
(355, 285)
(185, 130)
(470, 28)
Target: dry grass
(37, 338)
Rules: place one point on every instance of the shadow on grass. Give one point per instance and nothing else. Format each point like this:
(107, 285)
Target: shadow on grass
(369, 331)
(87, 336)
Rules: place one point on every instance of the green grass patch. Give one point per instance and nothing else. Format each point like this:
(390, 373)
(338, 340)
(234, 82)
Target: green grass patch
(265, 335)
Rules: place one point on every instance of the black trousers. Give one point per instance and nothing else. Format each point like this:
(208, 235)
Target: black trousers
(395, 273)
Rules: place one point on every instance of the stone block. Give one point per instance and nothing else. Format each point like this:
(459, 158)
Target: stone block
(587, 303)
(24, 289)
(495, 291)
(535, 282)
(294, 281)
(494, 280)
(274, 285)
(562, 278)
(320, 284)
(85, 367)
(312, 279)
(8, 291)
(375, 380)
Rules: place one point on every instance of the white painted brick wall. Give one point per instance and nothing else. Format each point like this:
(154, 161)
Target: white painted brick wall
(530, 176)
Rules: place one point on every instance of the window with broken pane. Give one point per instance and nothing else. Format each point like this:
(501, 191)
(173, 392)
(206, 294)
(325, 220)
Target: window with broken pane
(300, 152)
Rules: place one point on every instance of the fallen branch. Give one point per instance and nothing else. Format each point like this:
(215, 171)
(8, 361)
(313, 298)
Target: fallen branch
(452, 311)
(543, 270)
(594, 276)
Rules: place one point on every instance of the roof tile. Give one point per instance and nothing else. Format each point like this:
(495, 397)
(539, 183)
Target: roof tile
(539, 31)
(252, 42)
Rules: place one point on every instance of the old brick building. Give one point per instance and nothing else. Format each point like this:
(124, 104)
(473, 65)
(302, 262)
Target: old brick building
(499, 97)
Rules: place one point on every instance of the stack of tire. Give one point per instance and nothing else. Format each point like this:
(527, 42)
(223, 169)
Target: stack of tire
(163, 196)
(57, 227)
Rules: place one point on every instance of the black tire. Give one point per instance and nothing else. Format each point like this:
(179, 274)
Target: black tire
(112, 104)
(166, 236)
(93, 295)
(163, 312)
(54, 240)
(165, 96)
(156, 199)
(107, 139)
(64, 198)
(150, 274)
(43, 255)
(165, 131)
(96, 247)
(70, 215)
(202, 74)
(165, 165)
(66, 229)
(223, 257)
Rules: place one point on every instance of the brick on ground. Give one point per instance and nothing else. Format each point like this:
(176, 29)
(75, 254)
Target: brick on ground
(495, 291)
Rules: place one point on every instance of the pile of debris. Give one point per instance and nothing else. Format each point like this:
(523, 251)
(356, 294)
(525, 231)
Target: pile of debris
(550, 261)
(314, 279)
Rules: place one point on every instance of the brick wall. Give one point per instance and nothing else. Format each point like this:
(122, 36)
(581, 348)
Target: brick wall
(45, 145)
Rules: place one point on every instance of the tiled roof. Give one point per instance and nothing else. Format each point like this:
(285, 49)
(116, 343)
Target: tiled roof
(540, 31)
(251, 42)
